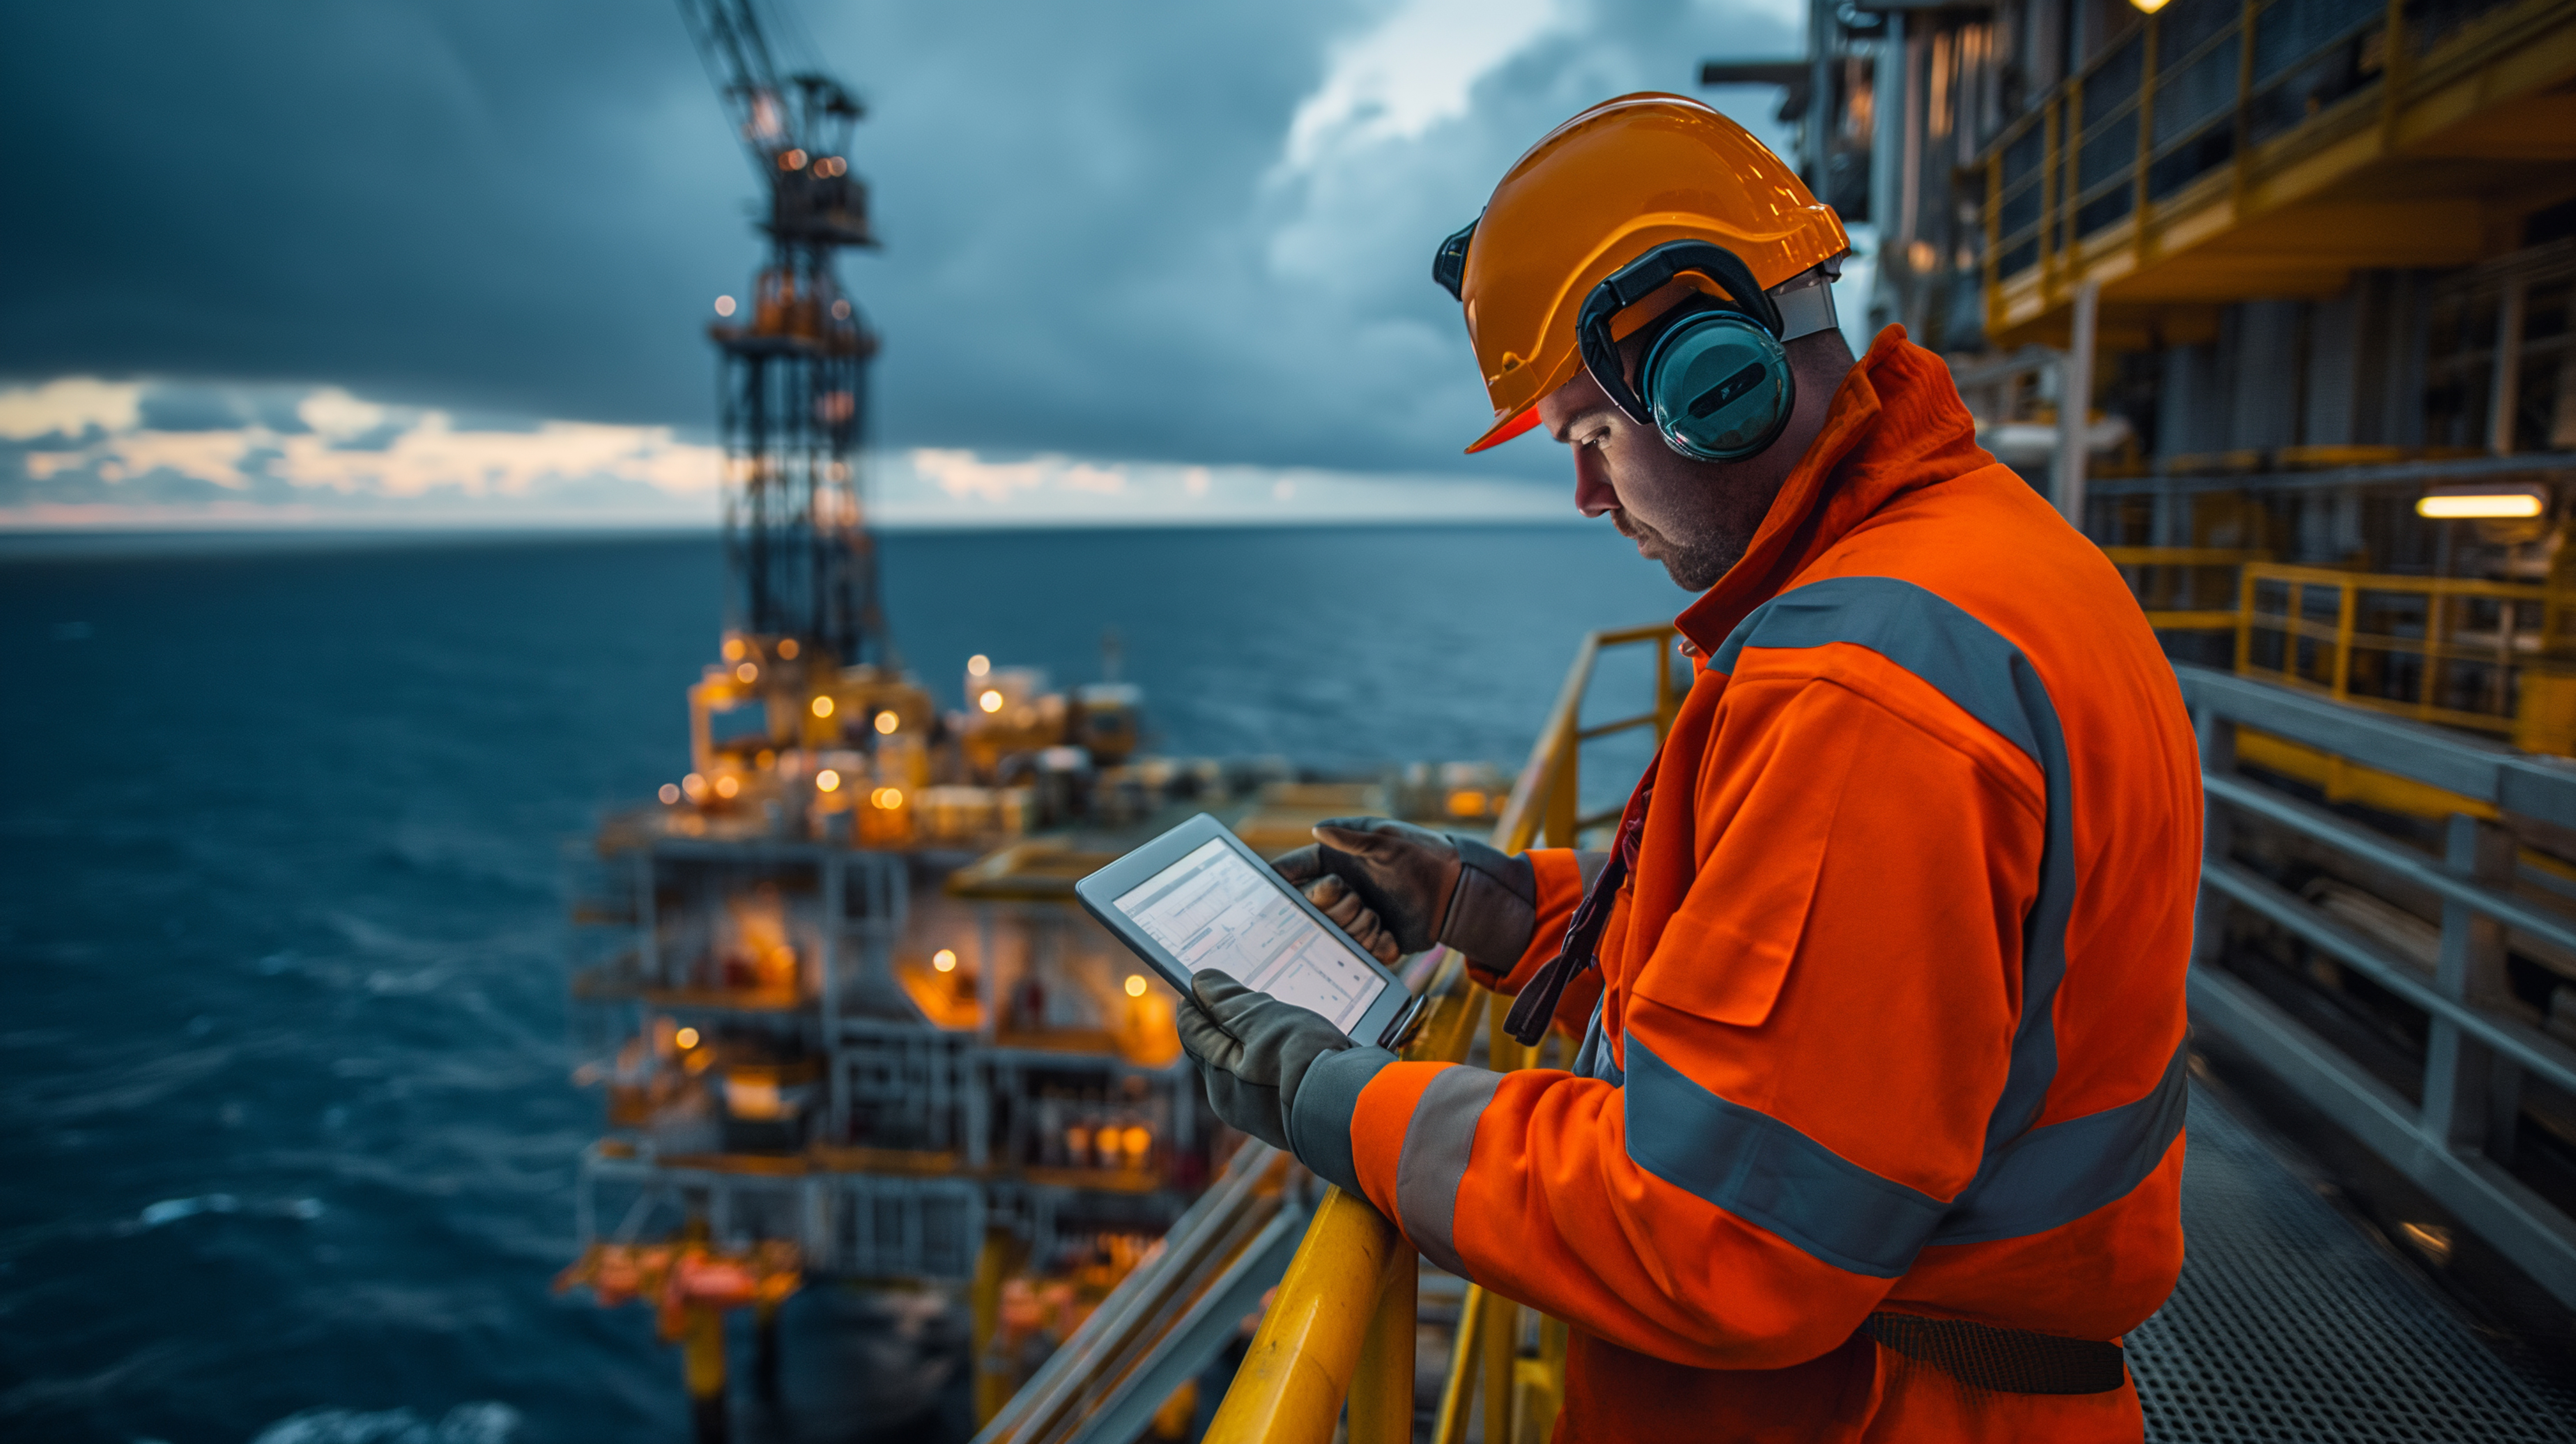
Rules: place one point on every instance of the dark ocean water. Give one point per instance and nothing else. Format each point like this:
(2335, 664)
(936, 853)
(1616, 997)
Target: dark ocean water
(289, 1141)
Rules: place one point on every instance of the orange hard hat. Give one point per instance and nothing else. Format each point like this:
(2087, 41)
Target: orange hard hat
(1598, 192)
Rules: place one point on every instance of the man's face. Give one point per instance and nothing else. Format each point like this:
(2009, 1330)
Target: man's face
(1696, 517)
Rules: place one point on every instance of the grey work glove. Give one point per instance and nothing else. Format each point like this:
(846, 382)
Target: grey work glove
(1397, 888)
(1282, 1073)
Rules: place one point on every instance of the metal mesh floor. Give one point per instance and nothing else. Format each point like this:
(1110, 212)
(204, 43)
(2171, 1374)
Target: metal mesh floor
(2290, 1324)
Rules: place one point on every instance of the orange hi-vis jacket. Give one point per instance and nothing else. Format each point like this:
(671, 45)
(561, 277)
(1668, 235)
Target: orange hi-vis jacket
(1890, 1014)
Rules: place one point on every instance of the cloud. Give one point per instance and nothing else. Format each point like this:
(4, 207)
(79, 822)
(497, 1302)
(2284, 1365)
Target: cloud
(68, 407)
(1176, 234)
(85, 452)
(78, 448)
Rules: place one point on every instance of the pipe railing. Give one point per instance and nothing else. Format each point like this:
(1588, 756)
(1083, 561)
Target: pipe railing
(1340, 1331)
(2456, 1136)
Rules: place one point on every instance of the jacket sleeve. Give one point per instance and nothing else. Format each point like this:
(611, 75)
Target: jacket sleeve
(1562, 874)
(1808, 1052)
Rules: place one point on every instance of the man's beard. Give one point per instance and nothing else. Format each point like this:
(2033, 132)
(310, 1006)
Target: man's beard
(1695, 560)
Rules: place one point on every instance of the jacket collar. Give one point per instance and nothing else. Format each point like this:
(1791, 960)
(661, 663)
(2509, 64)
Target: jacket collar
(1896, 423)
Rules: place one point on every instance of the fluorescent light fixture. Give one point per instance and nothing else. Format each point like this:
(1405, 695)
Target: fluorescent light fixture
(2487, 503)
(2148, 7)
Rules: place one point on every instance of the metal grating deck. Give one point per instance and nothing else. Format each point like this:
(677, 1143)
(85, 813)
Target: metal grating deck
(2291, 1324)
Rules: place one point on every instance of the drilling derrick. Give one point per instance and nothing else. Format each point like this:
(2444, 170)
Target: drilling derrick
(792, 389)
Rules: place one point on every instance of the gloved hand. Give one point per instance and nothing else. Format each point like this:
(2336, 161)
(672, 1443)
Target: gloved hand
(1253, 1050)
(1397, 888)
(1279, 1072)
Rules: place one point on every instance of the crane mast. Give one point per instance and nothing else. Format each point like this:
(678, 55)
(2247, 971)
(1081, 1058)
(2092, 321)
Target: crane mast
(792, 376)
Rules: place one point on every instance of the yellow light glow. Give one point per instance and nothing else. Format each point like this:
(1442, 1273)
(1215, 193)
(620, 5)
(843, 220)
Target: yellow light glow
(978, 665)
(733, 649)
(787, 648)
(2457, 506)
(1135, 985)
(747, 672)
(1139, 1143)
(694, 785)
(888, 798)
(822, 706)
(2148, 7)
(764, 759)
(728, 786)
(686, 1037)
(724, 305)
(991, 701)
(887, 722)
(827, 780)
(670, 793)
(792, 160)
(945, 960)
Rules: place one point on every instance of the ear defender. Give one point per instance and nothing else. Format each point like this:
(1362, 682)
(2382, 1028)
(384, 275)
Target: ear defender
(1717, 384)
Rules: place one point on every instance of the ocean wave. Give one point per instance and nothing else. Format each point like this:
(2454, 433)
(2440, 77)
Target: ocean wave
(488, 1422)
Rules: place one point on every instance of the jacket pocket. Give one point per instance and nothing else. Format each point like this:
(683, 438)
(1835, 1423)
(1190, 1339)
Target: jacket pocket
(1726, 951)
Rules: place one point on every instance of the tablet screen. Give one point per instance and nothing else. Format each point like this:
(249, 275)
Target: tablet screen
(1212, 909)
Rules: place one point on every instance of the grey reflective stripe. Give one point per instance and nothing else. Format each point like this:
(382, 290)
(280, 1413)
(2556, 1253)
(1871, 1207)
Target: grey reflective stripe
(1988, 677)
(1437, 1144)
(1769, 1174)
(1592, 1060)
(2055, 1175)
(1319, 1117)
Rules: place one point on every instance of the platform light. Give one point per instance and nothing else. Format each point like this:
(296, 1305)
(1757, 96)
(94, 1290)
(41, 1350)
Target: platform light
(840, 310)
(792, 160)
(887, 722)
(695, 786)
(748, 672)
(827, 780)
(728, 786)
(788, 647)
(991, 701)
(945, 960)
(2148, 7)
(733, 649)
(888, 798)
(669, 794)
(724, 305)
(1135, 985)
(978, 665)
(822, 706)
(686, 1037)
(2482, 503)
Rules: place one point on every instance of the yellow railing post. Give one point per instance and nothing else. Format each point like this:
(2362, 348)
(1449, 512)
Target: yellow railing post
(1382, 1388)
(1449, 1426)
(1292, 1383)
(2347, 604)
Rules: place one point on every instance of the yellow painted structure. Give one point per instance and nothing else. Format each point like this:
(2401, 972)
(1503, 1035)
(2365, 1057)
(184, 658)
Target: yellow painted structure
(2204, 163)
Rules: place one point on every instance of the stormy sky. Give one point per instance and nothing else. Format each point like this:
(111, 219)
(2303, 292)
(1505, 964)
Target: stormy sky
(300, 257)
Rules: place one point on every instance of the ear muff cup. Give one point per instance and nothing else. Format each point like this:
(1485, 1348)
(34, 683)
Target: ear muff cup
(1718, 386)
(1716, 383)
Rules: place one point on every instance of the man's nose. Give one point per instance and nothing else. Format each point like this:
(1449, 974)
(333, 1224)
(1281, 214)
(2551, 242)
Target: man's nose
(1593, 494)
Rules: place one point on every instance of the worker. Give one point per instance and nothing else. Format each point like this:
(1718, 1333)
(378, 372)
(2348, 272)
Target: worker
(1874, 1125)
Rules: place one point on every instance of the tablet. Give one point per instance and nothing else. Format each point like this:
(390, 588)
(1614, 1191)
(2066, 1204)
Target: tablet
(1196, 897)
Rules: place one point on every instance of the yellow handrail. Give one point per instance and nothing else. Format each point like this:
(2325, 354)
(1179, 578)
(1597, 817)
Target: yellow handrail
(1341, 1326)
(2435, 611)
(2169, 582)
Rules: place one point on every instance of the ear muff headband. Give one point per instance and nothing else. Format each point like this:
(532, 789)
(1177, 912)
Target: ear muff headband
(1717, 384)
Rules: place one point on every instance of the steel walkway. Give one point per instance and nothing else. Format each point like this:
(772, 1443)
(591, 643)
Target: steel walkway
(2291, 1323)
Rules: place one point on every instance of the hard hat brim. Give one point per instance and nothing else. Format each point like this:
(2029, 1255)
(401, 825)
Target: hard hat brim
(1504, 430)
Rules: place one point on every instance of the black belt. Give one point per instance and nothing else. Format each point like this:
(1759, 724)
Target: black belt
(2006, 1361)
